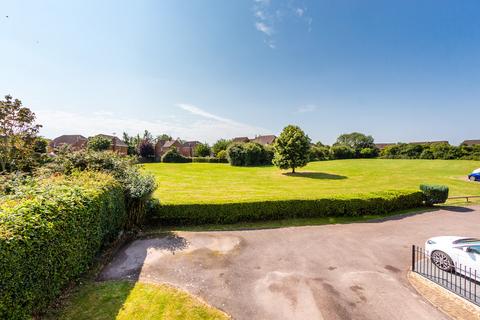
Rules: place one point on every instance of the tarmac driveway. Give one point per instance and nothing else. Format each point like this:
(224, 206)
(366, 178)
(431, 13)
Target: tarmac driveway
(349, 271)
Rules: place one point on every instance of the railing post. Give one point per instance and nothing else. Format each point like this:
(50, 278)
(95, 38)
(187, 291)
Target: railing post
(413, 257)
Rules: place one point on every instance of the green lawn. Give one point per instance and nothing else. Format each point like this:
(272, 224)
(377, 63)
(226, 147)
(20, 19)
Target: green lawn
(220, 183)
(123, 300)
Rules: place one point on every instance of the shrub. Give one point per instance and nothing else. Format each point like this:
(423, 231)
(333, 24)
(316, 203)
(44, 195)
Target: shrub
(248, 154)
(49, 234)
(372, 204)
(342, 152)
(434, 194)
(172, 156)
(209, 160)
(137, 187)
(202, 150)
(319, 153)
(222, 154)
(219, 146)
(368, 153)
(98, 143)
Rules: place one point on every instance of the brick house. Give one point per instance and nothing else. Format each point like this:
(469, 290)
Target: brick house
(163, 146)
(265, 140)
(188, 148)
(75, 141)
(117, 145)
(471, 142)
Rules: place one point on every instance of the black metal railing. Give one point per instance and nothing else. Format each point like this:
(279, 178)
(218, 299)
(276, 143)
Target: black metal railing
(457, 278)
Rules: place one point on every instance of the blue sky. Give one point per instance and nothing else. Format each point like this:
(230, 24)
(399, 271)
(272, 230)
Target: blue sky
(203, 69)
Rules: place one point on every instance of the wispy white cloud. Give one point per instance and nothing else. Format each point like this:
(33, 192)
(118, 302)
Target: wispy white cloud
(269, 15)
(197, 124)
(307, 108)
(263, 27)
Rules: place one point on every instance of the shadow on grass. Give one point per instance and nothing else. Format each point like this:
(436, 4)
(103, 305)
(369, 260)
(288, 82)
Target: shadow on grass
(315, 175)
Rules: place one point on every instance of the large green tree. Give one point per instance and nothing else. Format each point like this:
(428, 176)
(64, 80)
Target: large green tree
(220, 145)
(99, 143)
(202, 150)
(18, 132)
(355, 140)
(291, 148)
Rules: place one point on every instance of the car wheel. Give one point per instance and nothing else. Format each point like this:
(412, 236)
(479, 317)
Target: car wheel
(442, 260)
(472, 178)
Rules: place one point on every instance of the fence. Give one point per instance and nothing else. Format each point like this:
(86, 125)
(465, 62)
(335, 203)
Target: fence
(459, 279)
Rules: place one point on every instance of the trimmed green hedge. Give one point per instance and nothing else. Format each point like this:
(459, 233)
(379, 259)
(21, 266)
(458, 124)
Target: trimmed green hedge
(434, 194)
(49, 234)
(372, 204)
(209, 160)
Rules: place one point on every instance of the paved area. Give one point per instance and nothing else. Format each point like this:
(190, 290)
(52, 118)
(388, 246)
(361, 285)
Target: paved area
(351, 271)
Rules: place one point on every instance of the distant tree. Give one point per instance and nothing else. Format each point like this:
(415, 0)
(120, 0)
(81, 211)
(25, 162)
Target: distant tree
(202, 150)
(132, 143)
(164, 137)
(40, 145)
(17, 135)
(342, 152)
(98, 143)
(146, 150)
(291, 148)
(220, 145)
(356, 140)
(147, 135)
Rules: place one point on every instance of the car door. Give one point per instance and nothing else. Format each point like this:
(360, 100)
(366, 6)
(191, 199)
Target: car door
(469, 258)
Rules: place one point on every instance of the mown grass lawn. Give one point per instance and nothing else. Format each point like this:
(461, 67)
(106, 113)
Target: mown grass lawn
(123, 300)
(220, 183)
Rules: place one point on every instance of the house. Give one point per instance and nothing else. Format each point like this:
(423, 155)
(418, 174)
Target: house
(240, 139)
(117, 144)
(188, 148)
(74, 141)
(471, 142)
(382, 146)
(265, 140)
(162, 146)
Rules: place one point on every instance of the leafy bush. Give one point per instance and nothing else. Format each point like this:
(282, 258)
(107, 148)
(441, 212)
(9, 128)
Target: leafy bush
(434, 194)
(98, 143)
(342, 152)
(368, 153)
(202, 150)
(319, 153)
(443, 151)
(50, 231)
(209, 160)
(219, 146)
(173, 156)
(137, 186)
(375, 203)
(248, 154)
(222, 154)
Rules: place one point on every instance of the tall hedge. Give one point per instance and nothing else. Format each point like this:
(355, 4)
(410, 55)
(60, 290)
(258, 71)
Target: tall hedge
(49, 234)
(372, 204)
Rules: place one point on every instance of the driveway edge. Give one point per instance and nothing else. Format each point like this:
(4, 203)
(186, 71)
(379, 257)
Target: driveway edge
(444, 300)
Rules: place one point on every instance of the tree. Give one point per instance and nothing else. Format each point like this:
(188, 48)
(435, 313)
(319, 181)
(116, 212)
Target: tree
(146, 150)
(164, 136)
(291, 148)
(220, 145)
(132, 142)
(17, 135)
(202, 150)
(355, 140)
(98, 143)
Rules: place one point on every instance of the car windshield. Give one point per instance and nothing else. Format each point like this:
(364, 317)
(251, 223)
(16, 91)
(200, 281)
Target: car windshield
(476, 170)
(466, 240)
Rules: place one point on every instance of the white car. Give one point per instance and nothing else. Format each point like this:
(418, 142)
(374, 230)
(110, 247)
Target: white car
(459, 254)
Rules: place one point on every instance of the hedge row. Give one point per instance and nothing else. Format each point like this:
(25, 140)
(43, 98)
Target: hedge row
(209, 160)
(372, 204)
(49, 234)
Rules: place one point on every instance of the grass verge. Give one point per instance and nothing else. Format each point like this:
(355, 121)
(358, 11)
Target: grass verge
(124, 300)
